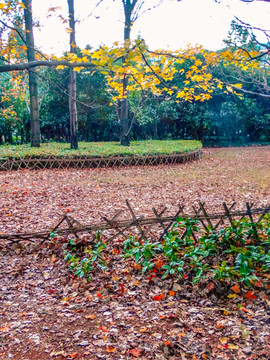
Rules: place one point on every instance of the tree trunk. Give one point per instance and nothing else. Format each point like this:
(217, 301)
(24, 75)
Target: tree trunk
(123, 103)
(73, 116)
(124, 119)
(33, 83)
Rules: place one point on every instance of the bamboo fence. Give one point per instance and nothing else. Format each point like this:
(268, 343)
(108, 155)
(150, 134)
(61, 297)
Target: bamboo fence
(52, 162)
(142, 225)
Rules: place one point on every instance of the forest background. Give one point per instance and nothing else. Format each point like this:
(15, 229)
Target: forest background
(220, 98)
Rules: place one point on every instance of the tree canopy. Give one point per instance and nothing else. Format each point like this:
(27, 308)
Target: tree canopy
(132, 72)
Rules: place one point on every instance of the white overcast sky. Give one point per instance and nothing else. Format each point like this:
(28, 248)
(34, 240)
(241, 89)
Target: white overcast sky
(172, 25)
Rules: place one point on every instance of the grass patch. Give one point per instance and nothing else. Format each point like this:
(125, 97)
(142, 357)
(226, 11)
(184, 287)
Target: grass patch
(97, 149)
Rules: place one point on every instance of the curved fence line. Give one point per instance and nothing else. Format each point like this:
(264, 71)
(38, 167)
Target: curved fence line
(96, 162)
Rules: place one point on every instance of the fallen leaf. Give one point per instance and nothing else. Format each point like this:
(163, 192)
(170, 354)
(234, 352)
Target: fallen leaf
(72, 356)
(4, 329)
(210, 286)
(258, 283)
(103, 328)
(232, 296)
(181, 336)
(224, 340)
(143, 329)
(220, 325)
(159, 297)
(92, 316)
(110, 349)
(250, 295)
(135, 352)
(236, 289)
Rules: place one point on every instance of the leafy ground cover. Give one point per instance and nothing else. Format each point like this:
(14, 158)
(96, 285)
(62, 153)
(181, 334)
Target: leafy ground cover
(150, 147)
(49, 313)
(239, 252)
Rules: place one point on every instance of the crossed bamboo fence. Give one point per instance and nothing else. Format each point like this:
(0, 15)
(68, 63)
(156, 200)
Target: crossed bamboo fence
(80, 162)
(142, 225)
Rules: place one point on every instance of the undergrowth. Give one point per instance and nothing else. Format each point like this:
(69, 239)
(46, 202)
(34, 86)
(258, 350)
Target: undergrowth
(238, 253)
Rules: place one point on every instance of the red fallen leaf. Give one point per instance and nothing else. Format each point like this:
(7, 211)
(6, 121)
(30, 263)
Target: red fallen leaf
(99, 295)
(121, 288)
(250, 295)
(72, 356)
(185, 276)
(135, 352)
(162, 316)
(103, 328)
(51, 291)
(210, 286)
(258, 283)
(243, 309)
(159, 297)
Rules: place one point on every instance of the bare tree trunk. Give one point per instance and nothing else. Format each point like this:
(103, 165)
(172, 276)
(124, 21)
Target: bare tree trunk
(123, 103)
(33, 83)
(73, 115)
(124, 119)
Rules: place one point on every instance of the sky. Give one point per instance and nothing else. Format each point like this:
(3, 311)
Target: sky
(172, 25)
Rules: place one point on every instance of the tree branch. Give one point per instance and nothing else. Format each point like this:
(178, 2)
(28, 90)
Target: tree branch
(49, 63)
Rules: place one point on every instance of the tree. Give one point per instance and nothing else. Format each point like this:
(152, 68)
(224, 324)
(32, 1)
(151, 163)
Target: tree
(72, 81)
(33, 82)
(132, 10)
(133, 67)
(129, 7)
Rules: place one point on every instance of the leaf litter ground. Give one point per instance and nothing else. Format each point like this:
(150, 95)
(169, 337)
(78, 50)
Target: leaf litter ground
(121, 314)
